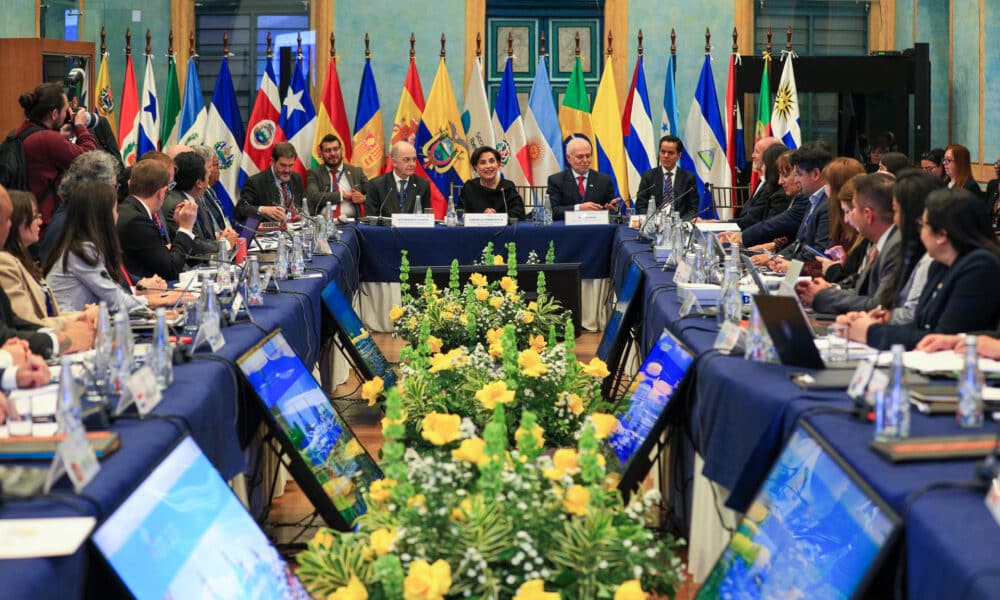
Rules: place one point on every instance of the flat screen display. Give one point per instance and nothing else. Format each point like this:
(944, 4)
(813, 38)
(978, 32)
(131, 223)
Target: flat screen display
(814, 530)
(328, 461)
(183, 534)
(619, 316)
(363, 349)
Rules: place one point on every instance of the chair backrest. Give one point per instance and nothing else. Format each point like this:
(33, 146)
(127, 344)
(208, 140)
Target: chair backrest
(532, 195)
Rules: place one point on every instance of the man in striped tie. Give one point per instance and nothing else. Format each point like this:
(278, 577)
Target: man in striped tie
(667, 183)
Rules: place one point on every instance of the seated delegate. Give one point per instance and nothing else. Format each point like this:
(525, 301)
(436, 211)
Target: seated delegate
(489, 193)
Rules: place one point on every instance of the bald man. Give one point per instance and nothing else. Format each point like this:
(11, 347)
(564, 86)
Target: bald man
(579, 187)
(397, 190)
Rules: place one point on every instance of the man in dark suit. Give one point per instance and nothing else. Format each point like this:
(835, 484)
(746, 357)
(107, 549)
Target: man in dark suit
(668, 183)
(272, 192)
(579, 187)
(808, 163)
(335, 182)
(191, 183)
(993, 193)
(146, 246)
(397, 191)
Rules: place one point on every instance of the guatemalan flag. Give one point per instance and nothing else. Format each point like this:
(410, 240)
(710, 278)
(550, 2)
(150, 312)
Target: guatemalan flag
(637, 127)
(541, 126)
(223, 133)
(705, 139)
(149, 114)
(298, 119)
(194, 115)
(508, 126)
(785, 115)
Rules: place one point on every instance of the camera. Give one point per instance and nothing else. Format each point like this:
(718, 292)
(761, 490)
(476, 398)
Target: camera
(75, 81)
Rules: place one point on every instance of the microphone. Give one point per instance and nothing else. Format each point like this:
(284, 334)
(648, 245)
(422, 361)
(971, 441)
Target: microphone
(378, 219)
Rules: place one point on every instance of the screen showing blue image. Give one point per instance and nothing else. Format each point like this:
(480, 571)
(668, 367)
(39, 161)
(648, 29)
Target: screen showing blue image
(649, 394)
(337, 460)
(618, 314)
(812, 532)
(183, 534)
(361, 340)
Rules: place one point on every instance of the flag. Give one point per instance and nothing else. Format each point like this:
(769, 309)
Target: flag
(479, 128)
(785, 115)
(332, 117)
(574, 114)
(369, 137)
(670, 118)
(762, 127)
(171, 108)
(512, 144)
(193, 113)
(541, 128)
(705, 139)
(262, 130)
(411, 108)
(223, 132)
(149, 118)
(298, 118)
(730, 116)
(105, 99)
(128, 126)
(441, 146)
(610, 148)
(637, 127)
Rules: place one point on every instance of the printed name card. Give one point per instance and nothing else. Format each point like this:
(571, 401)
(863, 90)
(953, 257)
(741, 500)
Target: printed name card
(587, 217)
(412, 220)
(485, 219)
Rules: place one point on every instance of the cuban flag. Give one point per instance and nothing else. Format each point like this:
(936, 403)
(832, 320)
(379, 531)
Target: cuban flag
(149, 113)
(223, 133)
(637, 128)
(785, 114)
(705, 140)
(194, 115)
(508, 126)
(298, 119)
(541, 126)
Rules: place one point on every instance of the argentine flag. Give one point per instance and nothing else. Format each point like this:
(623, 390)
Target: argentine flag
(149, 113)
(191, 130)
(785, 114)
(705, 140)
(541, 128)
(224, 132)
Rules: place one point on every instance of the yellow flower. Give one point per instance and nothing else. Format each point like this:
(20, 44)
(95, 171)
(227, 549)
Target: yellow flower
(381, 540)
(496, 350)
(477, 279)
(574, 404)
(412, 323)
(493, 335)
(492, 393)
(537, 343)
(396, 313)
(577, 501)
(537, 432)
(387, 422)
(417, 500)
(630, 590)
(440, 362)
(534, 589)
(471, 450)
(528, 318)
(381, 490)
(508, 285)
(447, 315)
(323, 538)
(498, 259)
(440, 428)
(533, 305)
(604, 424)
(565, 461)
(434, 343)
(596, 368)
(371, 390)
(531, 363)
(463, 510)
(354, 590)
(427, 582)
(482, 294)
(463, 319)
(496, 302)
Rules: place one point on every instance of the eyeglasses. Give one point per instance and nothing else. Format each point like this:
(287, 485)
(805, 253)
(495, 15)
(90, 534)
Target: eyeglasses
(930, 169)
(37, 216)
(947, 161)
(171, 185)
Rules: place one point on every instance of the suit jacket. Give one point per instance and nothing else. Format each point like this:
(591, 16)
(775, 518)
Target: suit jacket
(382, 197)
(261, 190)
(960, 298)
(143, 251)
(26, 296)
(992, 196)
(564, 195)
(869, 286)
(475, 198)
(204, 242)
(318, 191)
(12, 325)
(784, 224)
(814, 231)
(768, 201)
(685, 191)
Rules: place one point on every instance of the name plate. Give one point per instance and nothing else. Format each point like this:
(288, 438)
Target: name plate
(717, 227)
(412, 220)
(485, 219)
(587, 217)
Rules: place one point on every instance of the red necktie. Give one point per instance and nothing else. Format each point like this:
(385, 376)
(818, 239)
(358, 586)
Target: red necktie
(128, 279)
(579, 187)
(159, 225)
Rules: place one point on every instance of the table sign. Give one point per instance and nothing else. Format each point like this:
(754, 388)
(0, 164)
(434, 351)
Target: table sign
(587, 217)
(144, 390)
(859, 381)
(75, 458)
(485, 219)
(728, 338)
(683, 273)
(411, 220)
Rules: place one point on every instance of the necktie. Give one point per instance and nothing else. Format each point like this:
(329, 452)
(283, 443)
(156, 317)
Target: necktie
(402, 193)
(286, 195)
(214, 215)
(668, 188)
(163, 230)
(128, 280)
(579, 187)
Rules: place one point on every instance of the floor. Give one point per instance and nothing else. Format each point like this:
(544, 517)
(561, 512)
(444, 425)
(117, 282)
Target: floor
(291, 512)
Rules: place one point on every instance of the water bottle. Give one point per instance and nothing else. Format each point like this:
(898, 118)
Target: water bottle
(418, 207)
(255, 292)
(698, 272)
(756, 349)
(223, 274)
(297, 264)
(650, 208)
(281, 261)
(451, 217)
(730, 300)
(209, 312)
(288, 220)
(121, 356)
(970, 387)
(308, 236)
(161, 355)
(892, 405)
(69, 410)
(546, 210)
(103, 345)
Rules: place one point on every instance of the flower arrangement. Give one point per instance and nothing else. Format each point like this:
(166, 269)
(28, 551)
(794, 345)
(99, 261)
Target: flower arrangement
(481, 518)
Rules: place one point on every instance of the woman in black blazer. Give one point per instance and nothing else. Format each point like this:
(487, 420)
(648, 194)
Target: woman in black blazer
(488, 193)
(771, 199)
(962, 284)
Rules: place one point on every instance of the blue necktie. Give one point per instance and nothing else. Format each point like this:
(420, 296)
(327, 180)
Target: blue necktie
(668, 189)
(403, 183)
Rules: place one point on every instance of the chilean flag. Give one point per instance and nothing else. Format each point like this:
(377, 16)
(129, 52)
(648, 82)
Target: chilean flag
(508, 127)
(298, 119)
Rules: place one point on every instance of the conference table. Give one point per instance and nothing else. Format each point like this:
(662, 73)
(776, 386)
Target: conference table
(737, 418)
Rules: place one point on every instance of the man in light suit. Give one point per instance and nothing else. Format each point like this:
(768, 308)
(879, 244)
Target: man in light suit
(579, 187)
(872, 215)
(272, 192)
(335, 182)
(682, 190)
(397, 190)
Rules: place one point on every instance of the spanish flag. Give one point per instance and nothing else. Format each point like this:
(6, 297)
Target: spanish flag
(105, 99)
(411, 109)
(369, 138)
(607, 121)
(332, 118)
(441, 146)
(574, 114)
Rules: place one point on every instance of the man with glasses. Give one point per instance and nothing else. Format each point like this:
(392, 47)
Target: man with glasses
(273, 192)
(335, 182)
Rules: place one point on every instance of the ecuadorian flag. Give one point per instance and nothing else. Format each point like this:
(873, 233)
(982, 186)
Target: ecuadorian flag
(441, 146)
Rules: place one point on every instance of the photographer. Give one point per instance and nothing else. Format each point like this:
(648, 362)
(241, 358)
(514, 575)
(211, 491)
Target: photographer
(49, 125)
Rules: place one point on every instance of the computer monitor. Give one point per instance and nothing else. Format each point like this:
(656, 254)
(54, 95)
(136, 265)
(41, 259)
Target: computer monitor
(249, 230)
(814, 530)
(182, 533)
(623, 317)
(326, 458)
(646, 402)
(358, 342)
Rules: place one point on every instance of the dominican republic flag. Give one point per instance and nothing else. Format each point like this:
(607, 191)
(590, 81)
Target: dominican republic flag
(223, 132)
(128, 126)
(149, 117)
(508, 126)
(637, 127)
(785, 115)
(298, 119)
(262, 131)
(705, 139)
(191, 128)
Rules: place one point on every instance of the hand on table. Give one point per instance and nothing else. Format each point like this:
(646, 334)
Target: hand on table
(18, 350)
(33, 373)
(807, 290)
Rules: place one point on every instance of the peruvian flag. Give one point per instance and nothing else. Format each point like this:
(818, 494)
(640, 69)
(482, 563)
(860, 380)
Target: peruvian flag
(128, 125)
(263, 131)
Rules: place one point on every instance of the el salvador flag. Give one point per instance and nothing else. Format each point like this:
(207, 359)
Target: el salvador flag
(705, 139)
(191, 130)
(224, 132)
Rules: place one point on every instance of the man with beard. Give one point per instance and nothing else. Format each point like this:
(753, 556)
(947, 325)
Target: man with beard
(275, 191)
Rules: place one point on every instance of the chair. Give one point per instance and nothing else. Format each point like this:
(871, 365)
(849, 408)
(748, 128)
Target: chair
(728, 200)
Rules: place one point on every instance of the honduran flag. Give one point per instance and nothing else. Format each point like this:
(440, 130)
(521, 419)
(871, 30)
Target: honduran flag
(194, 115)
(637, 128)
(263, 131)
(369, 136)
(298, 119)
(541, 126)
(508, 127)
(223, 133)
(128, 126)
(149, 118)
(705, 139)
(441, 145)
(606, 118)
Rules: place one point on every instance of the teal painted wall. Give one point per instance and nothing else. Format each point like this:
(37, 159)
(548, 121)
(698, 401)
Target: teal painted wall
(18, 19)
(991, 108)
(965, 76)
(932, 28)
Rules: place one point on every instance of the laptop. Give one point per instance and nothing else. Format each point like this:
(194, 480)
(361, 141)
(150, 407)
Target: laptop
(791, 333)
(751, 268)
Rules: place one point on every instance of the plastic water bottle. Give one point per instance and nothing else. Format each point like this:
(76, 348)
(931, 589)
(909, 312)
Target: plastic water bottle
(308, 235)
(451, 217)
(756, 349)
(121, 356)
(546, 210)
(281, 261)
(730, 299)
(161, 355)
(209, 312)
(650, 208)
(418, 207)
(970, 387)
(69, 410)
(698, 272)
(103, 345)
(223, 274)
(255, 292)
(892, 405)
(297, 264)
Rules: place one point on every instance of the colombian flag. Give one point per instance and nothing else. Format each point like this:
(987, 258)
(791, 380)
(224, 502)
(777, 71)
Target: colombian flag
(441, 146)
(574, 114)
(128, 128)
(610, 147)
(369, 138)
(332, 117)
(105, 99)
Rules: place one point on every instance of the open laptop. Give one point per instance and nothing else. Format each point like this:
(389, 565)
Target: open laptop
(792, 335)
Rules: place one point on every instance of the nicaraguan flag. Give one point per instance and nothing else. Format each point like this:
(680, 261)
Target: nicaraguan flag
(191, 130)
(637, 125)
(508, 126)
(224, 132)
(298, 119)
(705, 139)
(541, 127)
(785, 115)
(149, 112)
